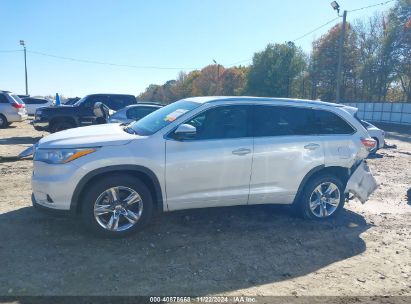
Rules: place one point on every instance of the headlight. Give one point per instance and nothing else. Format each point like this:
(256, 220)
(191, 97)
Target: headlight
(60, 156)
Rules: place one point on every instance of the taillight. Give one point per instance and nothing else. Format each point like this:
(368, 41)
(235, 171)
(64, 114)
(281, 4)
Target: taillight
(17, 105)
(368, 143)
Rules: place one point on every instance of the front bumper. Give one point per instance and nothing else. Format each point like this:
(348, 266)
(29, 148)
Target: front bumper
(40, 124)
(53, 185)
(361, 183)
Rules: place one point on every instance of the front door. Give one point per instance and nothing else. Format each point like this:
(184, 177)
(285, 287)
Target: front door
(213, 167)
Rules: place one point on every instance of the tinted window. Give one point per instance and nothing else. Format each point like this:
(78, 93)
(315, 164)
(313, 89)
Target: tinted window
(3, 99)
(281, 121)
(117, 102)
(91, 100)
(330, 123)
(137, 113)
(222, 122)
(34, 101)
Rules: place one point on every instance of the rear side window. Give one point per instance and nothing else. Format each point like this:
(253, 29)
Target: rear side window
(330, 123)
(117, 102)
(3, 99)
(137, 113)
(282, 121)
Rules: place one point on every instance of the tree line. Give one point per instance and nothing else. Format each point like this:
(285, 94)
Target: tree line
(376, 67)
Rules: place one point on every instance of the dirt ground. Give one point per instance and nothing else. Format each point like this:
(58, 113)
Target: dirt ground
(248, 250)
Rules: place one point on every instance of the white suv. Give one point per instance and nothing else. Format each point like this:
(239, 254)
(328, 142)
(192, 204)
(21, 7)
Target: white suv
(12, 109)
(205, 152)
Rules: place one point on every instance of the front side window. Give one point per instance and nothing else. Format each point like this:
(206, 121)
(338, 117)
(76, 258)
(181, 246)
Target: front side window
(222, 122)
(330, 123)
(161, 118)
(282, 121)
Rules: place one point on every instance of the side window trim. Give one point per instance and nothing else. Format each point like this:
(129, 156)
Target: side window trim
(168, 135)
(298, 107)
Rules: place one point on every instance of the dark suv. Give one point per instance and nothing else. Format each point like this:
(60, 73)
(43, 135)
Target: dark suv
(54, 119)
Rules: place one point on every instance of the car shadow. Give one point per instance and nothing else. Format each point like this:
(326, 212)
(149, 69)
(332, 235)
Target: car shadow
(190, 252)
(19, 140)
(375, 155)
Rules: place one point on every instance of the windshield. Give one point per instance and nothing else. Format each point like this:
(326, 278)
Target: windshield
(79, 101)
(162, 117)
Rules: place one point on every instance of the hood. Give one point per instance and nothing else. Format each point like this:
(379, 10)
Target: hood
(91, 136)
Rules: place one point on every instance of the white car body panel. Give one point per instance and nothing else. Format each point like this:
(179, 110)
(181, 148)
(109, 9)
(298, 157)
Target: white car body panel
(31, 108)
(203, 173)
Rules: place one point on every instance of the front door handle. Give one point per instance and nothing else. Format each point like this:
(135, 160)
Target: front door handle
(311, 146)
(241, 151)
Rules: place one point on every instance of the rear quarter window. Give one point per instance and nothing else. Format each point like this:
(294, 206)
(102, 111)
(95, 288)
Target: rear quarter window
(3, 99)
(330, 123)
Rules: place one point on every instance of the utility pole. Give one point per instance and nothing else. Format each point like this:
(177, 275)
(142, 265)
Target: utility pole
(340, 58)
(22, 43)
(218, 77)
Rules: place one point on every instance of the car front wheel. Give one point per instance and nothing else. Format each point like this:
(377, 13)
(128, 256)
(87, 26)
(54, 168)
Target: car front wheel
(3, 121)
(116, 206)
(322, 198)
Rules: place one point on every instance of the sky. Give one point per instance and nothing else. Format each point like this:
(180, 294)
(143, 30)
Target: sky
(159, 38)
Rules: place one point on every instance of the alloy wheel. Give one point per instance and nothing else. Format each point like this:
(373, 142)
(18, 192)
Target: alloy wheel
(325, 199)
(118, 208)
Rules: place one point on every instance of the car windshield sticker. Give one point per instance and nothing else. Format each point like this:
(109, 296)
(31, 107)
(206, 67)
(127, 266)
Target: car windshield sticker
(174, 115)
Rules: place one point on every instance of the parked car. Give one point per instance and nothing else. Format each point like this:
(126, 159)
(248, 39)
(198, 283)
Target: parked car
(134, 112)
(34, 103)
(376, 133)
(53, 119)
(205, 152)
(12, 109)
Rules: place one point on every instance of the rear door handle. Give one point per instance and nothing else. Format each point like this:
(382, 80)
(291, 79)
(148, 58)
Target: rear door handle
(241, 151)
(311, 146)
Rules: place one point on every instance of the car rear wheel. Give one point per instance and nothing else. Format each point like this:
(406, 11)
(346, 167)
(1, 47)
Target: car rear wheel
(322, 198)
(60, 126)
(3, 121)
(117, 206)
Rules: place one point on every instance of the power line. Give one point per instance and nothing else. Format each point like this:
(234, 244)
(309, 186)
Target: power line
(9, 51)
(316, 29)
(301, 37)
(370, 6)
(109, 63)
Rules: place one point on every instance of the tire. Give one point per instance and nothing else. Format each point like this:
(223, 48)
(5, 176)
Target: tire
(3, 122)
(373, 151)
(104, 224)
(60, 126)
(326, 207)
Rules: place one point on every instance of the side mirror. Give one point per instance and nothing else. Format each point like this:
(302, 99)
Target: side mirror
(185, 131)
(101, 110)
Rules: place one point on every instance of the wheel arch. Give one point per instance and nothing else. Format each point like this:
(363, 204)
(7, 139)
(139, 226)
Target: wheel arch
(341, 172)
(144, 174)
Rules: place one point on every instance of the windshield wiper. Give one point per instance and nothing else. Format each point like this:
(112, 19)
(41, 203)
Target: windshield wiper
(129, 130)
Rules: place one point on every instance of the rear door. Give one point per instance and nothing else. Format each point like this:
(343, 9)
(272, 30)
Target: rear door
(213, 168)
(285, 150)
(336, 133)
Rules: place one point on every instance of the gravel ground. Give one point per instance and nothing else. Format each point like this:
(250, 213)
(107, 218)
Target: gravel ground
(248, 250)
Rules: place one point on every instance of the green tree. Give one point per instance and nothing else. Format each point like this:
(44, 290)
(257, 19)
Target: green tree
(274, 70)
